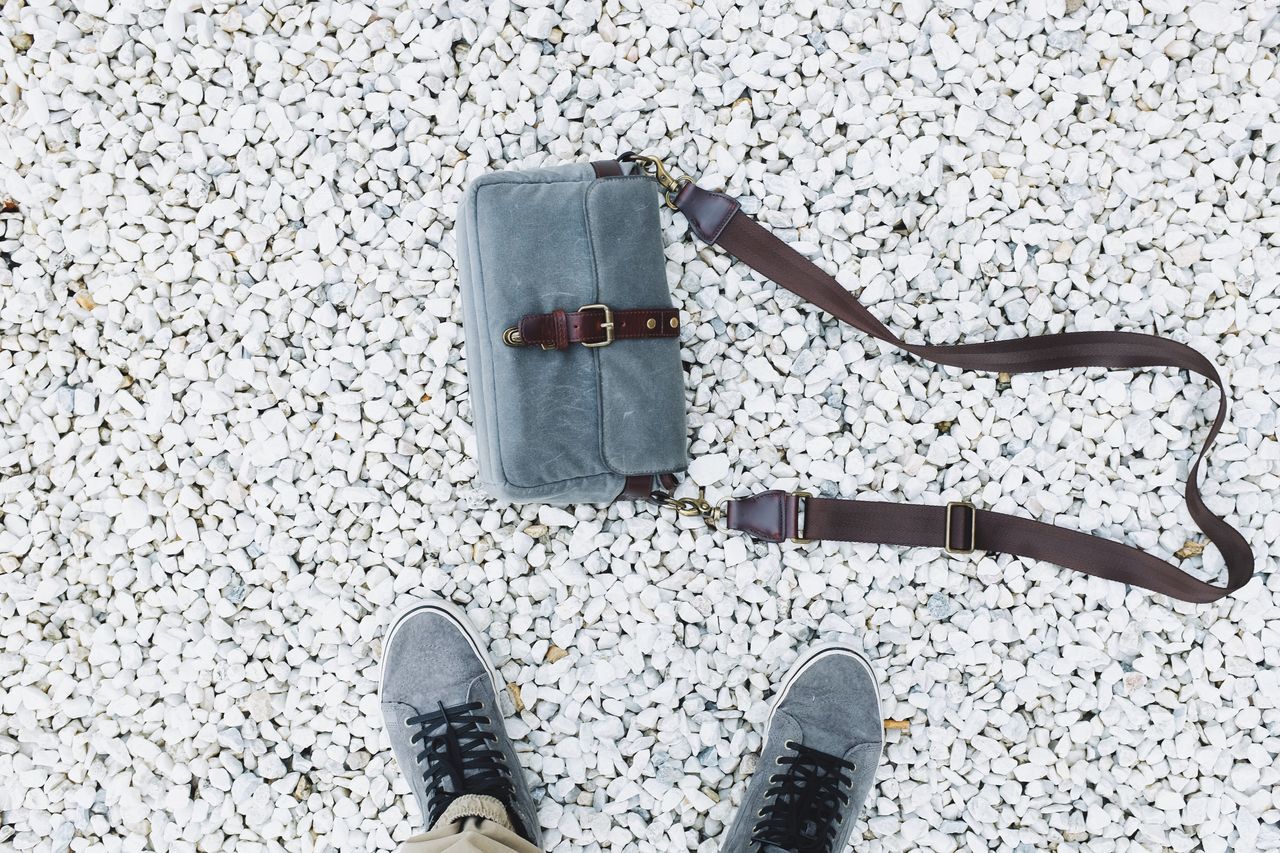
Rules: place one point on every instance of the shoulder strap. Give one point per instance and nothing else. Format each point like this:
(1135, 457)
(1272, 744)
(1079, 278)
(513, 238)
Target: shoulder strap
(959, 527)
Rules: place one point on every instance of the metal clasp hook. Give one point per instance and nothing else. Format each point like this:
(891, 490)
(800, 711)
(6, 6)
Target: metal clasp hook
(654, 167)
(691, 507)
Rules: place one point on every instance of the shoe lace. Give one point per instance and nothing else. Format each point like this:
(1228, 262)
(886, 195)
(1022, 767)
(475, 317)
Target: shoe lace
(803, 803)
(460, 755)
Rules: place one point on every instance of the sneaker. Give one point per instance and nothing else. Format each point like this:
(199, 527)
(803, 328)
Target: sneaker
(822, 746)
(439, 697)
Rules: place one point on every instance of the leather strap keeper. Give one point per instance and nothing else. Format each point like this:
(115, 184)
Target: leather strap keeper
(773, 516)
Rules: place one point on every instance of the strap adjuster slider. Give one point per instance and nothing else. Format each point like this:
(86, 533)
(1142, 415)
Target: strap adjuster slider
(961, 536)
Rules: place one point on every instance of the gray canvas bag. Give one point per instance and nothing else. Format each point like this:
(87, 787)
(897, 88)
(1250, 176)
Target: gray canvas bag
(571, 427)
(577, 389)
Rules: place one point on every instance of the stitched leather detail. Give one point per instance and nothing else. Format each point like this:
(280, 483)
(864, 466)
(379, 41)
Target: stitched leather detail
(708, 213)
(771, 516)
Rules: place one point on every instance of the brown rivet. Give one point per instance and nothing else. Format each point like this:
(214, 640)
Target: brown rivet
(675, 323)
(651, 323)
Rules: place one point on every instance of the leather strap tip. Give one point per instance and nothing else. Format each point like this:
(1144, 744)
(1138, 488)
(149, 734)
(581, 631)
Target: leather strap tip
(708, 213)
(533, 333)
(772, 516)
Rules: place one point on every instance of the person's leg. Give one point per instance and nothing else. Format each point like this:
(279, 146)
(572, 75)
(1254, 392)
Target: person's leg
(440, 706)
(822, 746)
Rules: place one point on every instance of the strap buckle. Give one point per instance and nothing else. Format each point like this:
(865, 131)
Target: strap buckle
(800, 497)
(607, 325)
(949, 543)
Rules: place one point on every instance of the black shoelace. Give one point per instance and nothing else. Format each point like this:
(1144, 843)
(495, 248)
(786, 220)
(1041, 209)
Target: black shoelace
(804, 802)
(460, 755)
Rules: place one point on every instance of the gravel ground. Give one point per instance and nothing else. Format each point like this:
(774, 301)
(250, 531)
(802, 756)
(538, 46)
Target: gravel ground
(236, 429)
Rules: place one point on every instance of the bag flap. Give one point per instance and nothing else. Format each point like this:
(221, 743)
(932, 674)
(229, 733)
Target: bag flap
(641, 382)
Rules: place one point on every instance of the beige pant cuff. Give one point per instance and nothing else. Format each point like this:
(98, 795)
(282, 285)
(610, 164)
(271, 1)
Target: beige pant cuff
(477, 806)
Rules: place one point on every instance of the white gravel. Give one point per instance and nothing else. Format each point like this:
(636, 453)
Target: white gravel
(236, 431)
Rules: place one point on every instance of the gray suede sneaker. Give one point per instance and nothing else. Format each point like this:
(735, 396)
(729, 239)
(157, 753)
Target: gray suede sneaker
(822, 746)
(440, 704)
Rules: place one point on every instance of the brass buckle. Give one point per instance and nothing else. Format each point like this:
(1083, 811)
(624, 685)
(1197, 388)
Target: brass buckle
(607, 325)
(973, 528)
(799, 496)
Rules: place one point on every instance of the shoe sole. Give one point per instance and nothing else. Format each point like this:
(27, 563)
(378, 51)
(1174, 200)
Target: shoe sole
(455, 615)
(807, 661)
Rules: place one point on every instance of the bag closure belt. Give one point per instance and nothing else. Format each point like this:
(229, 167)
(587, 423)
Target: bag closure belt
(592, 326)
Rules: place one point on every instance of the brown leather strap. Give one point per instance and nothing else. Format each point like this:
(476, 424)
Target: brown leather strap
(590, 325)
(718, 219)
(640, 487)
(637, 487)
